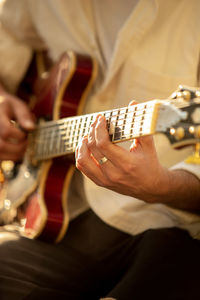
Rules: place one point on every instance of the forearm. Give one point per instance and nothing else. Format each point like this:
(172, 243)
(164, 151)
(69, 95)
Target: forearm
(182, 190)
(137, 173)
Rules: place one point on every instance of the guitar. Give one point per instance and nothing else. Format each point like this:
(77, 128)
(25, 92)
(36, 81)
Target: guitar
(39, 185)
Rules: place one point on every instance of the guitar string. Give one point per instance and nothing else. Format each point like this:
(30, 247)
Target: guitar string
(47, 134)
(137, 112)
(81, 131)
(58, 127)
(46, 129)
(63, 121)
(76, 140)
(140, 111)
(73, 144)
(147, 106)
(73, 147)
(70, 149)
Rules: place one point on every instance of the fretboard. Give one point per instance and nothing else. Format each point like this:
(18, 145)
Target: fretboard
(61, 137)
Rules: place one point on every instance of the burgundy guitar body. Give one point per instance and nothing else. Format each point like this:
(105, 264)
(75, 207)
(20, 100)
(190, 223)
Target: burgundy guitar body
(61, 93)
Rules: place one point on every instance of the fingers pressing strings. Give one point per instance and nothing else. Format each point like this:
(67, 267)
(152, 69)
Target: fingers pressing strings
(96, 153)
(116, 155)
(87, 164)
(91, 160)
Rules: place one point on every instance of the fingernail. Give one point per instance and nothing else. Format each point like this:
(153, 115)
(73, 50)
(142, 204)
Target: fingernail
(102, 118)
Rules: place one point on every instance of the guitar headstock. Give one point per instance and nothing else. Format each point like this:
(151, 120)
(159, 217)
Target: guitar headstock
(186, 130)
(186, 94)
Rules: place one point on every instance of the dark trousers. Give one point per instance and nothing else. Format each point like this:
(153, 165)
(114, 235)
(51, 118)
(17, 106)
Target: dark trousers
(95, 260)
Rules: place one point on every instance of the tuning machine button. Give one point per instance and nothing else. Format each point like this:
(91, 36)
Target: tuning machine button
(191, 129)
(186, 95)
(195, 130)
(197, 93)
(178, 133)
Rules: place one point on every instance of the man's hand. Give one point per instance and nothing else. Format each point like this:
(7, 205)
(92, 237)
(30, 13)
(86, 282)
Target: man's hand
(137, 172)
(15, 121)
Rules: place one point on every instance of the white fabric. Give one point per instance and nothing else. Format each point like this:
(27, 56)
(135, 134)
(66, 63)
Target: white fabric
(156, 49)
(107, 26)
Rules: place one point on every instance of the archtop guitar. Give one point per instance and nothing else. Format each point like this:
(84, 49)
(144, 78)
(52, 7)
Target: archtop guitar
(36, 191)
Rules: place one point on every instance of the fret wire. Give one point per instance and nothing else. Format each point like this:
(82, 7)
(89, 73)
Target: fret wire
(73, 122)
(73, 147)
(77, 138)
(121, 137)
(61, 141)
(72, 119)
(44, 128)
(131, 135)
(134, 122)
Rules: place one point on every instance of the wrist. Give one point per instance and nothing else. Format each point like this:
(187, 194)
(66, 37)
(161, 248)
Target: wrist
(162, 187)
(179, 189)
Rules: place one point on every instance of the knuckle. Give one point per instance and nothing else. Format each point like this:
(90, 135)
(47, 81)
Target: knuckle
(115, 177)
(129, 168)
(80, 161)
(93, 125)
(102, 143)
(91, 143)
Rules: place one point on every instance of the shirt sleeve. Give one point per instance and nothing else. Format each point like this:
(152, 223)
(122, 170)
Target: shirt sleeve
(192, 168)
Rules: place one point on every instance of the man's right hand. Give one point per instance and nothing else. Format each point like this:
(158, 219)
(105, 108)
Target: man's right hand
(16, 121)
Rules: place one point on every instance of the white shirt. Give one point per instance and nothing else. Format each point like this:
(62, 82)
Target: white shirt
(157, 48)
(107, 26)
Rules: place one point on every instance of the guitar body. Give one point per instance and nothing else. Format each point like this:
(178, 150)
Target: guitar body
(42, 190)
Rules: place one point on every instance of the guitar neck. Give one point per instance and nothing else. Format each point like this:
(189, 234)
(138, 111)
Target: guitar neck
(57, 138)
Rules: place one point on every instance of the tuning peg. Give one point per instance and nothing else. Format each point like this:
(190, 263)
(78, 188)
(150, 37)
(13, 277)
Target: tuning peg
(178, 133)
(197, 93)
(195, 130)
(186, 95)
(191, 129)
(186, 92)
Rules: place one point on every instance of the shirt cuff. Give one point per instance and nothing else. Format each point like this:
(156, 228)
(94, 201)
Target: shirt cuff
(192, 168)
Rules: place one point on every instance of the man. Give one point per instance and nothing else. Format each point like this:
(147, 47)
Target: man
(134, 239)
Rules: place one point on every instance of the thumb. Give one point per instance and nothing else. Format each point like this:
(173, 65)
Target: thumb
(23, 115)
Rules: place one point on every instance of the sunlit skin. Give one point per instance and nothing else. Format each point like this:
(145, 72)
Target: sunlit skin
(13, 135)
(136, 172)
(126, 172)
